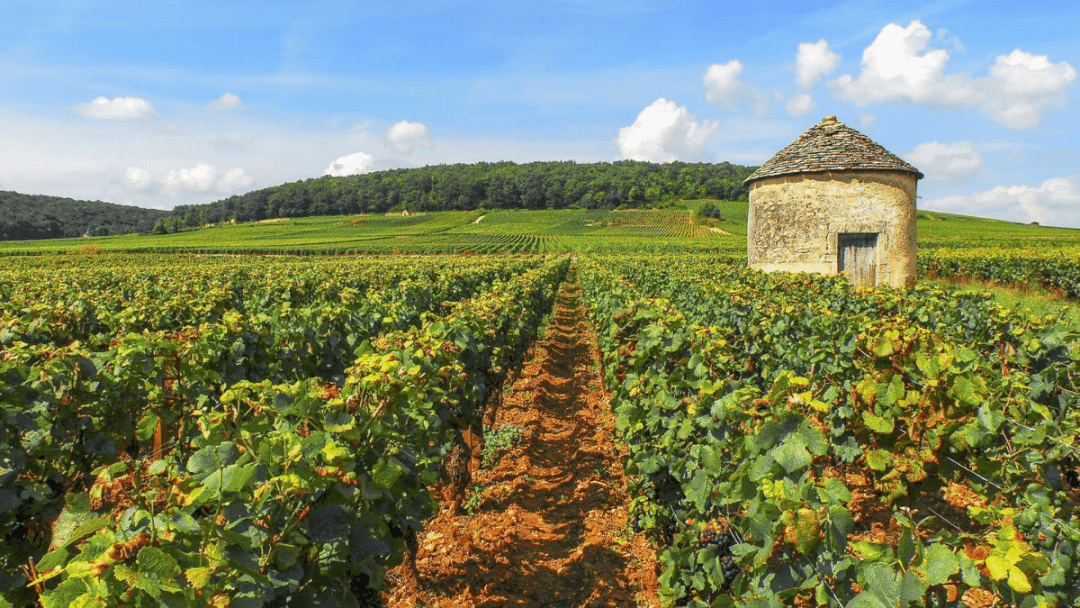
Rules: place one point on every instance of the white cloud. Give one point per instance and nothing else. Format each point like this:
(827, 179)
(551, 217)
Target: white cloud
(664, 132)
(136, 178)
(894, 69)
(722, 86)
(203, 177)
(867, 120)
(197, 179)
(351, 164)
(1056, 202)
(898, 67)
(227, 101)
(127, 108)
(1021, 85)
(234, 179)
(814, 61)
(800, 104)
(405, 136)
(953, 162)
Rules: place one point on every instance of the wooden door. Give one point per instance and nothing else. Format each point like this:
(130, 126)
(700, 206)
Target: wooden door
(858, 257)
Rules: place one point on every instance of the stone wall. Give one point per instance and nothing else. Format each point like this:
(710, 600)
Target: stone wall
(795, 221)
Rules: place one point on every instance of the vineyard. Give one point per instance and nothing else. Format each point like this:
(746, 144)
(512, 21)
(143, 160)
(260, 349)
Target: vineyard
(449, 232)
(1055, 270)
(220, 432)
(798, 442)
(241, 430)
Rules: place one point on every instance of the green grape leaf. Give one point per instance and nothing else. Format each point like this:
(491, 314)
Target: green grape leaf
(339, 422)
(146, 426)
(386, 473)
(792, 454)
(964, 391)
(328, 523)
(939, 564)
(878, 424)
(878, 460)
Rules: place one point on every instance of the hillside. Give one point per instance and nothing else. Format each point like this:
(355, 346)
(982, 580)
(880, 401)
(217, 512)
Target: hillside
(461, 187)
(511, 231)
(34, 216)
(674, 228)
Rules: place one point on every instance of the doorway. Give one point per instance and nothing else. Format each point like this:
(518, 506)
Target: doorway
(858, 257)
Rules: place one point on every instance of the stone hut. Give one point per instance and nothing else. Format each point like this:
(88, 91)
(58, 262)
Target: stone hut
(834, 201)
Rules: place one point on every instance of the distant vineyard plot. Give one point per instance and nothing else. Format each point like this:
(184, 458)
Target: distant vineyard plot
(500, 231)
(950, 246)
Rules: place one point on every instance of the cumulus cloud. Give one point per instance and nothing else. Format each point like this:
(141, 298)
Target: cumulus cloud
(227, 101)
(351, 164)
(1021, 85)
(947, 162)
(197, 179)
(665, 132)
(124, 108)
(136, 178)
(405, 136)
(897, 66)
(1055, 202)
(723, 87)
(203, 177)
(234, 179)
(800, 104)
(814, 61)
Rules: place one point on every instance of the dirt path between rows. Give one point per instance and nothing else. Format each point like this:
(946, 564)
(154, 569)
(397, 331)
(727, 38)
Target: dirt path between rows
(551, 525)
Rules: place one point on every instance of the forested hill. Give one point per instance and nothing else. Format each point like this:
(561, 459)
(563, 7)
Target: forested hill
(34, 216)
(502, 185)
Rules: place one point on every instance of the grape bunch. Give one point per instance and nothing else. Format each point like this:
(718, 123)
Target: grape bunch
(1066, 471)
(667, 532)
(1072, 478)
(366, 597)
(722, 536)
(661, 526)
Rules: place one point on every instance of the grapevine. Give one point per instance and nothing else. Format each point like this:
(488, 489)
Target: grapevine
(856, 439)
(204, 461)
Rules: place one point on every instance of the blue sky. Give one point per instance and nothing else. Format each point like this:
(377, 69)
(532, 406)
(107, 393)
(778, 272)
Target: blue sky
(164, 103)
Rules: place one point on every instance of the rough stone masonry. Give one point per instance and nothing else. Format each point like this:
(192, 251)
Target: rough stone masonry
(830, 188)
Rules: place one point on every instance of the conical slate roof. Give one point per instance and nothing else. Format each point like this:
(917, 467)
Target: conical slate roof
(831, 145)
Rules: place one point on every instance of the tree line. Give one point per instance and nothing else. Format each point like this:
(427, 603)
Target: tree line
(499, 185)
(36, 216)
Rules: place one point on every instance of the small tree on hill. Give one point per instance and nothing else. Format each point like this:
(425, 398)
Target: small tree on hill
(710, 210)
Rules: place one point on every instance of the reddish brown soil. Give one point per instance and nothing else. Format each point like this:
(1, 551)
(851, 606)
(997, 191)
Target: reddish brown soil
(551, 529)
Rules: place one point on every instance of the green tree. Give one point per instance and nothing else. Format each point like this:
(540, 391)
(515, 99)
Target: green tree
(710, 210)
